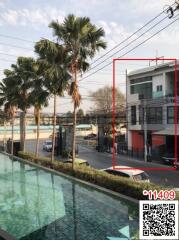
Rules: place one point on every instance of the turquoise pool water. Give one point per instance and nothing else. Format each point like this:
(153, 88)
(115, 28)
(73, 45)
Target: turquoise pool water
(38, 205)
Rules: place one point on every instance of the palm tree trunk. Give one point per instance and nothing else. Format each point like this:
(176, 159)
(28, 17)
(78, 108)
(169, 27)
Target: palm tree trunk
(54, 128)
(74, 127)
(12, 136)
(38, 133)
(74, 136)
(24, 130)
(5, 140)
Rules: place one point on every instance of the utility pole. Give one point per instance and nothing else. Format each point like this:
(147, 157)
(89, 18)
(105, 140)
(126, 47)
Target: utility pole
(127, 112)
(145, 132)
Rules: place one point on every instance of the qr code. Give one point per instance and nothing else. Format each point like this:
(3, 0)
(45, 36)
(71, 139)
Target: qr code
(158, 220)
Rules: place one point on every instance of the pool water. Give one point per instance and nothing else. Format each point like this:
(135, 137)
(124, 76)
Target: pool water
(38, 205)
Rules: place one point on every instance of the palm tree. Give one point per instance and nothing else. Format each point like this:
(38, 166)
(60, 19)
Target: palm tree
(7, 98)
(23, 76)
(39, 99)
(11, 110)
(52, 59)
(82, 40)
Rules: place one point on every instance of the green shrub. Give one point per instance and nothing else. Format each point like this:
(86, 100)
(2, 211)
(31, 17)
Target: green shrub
(118, 184)
(65, 154)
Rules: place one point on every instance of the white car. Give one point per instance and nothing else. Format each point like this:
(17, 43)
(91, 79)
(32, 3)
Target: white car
(47, 145)
(125, 171)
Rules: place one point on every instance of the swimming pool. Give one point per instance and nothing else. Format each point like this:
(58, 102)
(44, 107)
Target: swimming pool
(39, 205)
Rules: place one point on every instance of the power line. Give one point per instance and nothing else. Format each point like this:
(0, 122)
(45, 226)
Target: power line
(129, 38)
(134, 40)
(15, 46)
(6, 60)
(133, 34)
(132, 48)
(10, 55)
(16, 38)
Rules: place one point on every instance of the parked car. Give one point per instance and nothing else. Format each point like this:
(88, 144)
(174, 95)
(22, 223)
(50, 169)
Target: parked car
(169, 159)
(47, 145)
(136, 175)
(90, 136)
(80, 162)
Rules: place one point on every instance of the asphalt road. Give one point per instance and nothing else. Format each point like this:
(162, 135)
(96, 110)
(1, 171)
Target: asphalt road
(169, 178)
(31, 146)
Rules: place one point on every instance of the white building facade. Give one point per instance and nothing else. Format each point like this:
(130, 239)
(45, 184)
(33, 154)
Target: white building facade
(150, 109)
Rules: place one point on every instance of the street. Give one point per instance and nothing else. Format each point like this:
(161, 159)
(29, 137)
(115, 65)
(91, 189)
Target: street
(169, 178)
(98, 160)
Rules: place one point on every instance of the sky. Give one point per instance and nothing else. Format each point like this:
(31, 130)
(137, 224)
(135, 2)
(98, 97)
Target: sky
(22, 23)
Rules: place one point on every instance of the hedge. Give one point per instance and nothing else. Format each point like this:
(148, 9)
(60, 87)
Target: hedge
(115, 183)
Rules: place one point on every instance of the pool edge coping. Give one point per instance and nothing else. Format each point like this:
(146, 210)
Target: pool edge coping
(6, 236)
(102, 189)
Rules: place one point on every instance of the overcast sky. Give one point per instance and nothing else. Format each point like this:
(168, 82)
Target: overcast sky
(29, 20)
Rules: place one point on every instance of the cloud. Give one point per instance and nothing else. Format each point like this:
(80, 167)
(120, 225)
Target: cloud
(140, 8)
(31, 17)
(3, 2)
(114, 32)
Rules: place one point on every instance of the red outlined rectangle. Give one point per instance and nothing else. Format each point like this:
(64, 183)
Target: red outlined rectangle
(175, 112)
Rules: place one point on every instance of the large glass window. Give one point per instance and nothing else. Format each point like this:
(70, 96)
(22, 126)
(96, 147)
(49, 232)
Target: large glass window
(154, 115)
(159, 115)
(171, 114)
(133, 115)
(140, 80)
(141, 114)
(144, 90)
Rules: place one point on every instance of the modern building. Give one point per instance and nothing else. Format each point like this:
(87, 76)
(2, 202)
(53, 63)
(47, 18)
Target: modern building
(150, 109)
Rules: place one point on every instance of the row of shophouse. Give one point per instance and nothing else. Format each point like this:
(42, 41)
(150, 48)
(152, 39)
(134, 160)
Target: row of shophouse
(151, 109)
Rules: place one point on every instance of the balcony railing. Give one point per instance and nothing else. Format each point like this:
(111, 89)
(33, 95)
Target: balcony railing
(159, 101)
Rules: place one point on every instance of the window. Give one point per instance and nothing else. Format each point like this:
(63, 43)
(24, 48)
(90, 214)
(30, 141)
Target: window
(141, 176)
(154, 115)
(133, 115)
(121, 174)
(140, 80)
(158, 115)
(144, 90)
(141, 115)
(171, 114)
(151, 115)
(118, 173)
(159, 88)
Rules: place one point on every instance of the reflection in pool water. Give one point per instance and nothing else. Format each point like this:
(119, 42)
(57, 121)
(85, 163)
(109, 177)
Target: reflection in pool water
(36, 204)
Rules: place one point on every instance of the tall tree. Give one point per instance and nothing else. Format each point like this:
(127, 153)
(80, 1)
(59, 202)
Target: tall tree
(8, 100)
(103, 100)
(82, 40)
(80, 115)
(39, 99)
(52, 61)
(23, 77)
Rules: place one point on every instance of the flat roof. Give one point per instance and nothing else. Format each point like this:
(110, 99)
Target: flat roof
(152, 68)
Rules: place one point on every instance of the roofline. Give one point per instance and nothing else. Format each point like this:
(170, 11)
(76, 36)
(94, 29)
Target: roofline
(152, 68)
